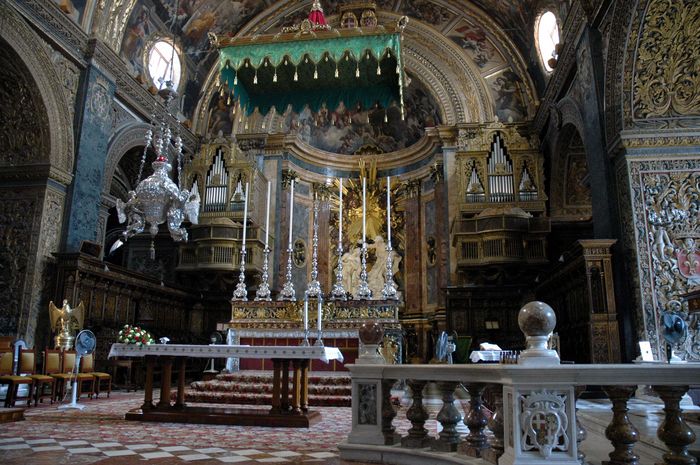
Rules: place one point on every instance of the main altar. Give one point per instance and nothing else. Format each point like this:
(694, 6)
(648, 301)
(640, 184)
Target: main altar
(278, 323)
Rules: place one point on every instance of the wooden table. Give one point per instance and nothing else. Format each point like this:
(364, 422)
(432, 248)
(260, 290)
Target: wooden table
(286, 410)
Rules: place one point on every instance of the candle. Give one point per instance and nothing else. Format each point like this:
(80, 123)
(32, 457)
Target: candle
(306, 314)
(267, 215)
(291, 214)
(364, 207)
(245, 214)
(318, 321)
(388, 210)
(340, 215)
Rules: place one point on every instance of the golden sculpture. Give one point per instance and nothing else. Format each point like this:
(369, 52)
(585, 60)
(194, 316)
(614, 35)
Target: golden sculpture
(64, 323)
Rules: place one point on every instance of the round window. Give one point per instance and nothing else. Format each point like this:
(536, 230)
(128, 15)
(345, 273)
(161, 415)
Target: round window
(164, 64)
(547, 37)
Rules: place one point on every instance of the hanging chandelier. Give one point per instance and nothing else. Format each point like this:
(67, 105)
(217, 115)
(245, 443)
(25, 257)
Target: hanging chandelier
(157, 199)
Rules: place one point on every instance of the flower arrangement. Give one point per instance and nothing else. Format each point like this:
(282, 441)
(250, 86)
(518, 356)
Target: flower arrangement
(134, 335)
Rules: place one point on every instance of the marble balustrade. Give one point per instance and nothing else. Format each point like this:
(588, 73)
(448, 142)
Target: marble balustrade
(534, 419)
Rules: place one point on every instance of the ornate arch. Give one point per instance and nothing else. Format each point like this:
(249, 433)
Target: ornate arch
(128, 138)
(24, 42)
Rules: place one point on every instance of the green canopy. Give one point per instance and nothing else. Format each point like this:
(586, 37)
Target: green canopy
(266, 72)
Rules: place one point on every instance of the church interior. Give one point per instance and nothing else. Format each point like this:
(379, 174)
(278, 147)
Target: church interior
(391, 231)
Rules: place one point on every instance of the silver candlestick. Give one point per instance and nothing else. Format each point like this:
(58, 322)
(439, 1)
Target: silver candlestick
(263, 292)
(288, 292)
(305, 342)
(314, 287)
(363, 290)
(241, 293)
(338, 292)
(319, 339)
(389, 291)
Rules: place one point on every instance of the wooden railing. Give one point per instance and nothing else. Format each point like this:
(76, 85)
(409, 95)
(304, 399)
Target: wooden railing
(535, 418)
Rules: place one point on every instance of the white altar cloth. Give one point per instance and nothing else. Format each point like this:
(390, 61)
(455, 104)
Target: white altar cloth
(324, 354)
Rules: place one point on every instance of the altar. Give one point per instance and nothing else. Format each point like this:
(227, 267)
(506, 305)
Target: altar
(262, 323)
(287, 409)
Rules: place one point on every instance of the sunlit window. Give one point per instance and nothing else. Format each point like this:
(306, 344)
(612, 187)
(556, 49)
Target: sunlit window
(547, 35)
(164, 64)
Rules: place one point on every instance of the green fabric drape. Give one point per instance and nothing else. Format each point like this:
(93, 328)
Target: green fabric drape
(364, 70)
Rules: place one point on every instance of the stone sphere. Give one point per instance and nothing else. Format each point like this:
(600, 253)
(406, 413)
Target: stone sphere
(537, 319)
(371, 332)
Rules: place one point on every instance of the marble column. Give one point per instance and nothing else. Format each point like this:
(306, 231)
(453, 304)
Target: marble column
(442, 245)
(412, 254)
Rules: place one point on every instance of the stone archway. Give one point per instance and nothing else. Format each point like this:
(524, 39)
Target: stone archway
(39, 68)
(36, 145)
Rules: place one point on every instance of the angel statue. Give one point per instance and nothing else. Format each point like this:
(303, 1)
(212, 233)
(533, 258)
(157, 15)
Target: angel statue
(64, 322)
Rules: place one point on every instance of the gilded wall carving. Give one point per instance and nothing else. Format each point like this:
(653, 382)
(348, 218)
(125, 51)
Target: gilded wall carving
(49, 90)
(16, 215)
(70, 76)
(666, 203)
(23, 120)
(666, 81)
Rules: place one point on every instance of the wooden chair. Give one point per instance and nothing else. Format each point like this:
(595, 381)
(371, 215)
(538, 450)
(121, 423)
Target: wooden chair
(13, 382)
(66, 374)
(87, 366)
(27, 366)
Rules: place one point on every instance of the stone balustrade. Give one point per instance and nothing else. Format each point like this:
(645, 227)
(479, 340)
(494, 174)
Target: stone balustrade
(535, 413)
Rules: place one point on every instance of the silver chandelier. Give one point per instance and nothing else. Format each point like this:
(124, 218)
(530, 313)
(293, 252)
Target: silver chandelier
(157, 199)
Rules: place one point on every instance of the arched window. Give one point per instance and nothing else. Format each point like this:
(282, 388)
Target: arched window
(547, 38)
(164, 64)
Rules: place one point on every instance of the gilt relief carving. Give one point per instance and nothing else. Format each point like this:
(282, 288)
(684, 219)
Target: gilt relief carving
(23, 121)
(666, 82)
(670, 204)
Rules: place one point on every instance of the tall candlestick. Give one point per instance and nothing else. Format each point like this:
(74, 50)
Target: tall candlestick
(291, 214)
(363, 290)
(340, 214)
(263, 292)
(288, 292)
(241, 293)
(306, 314)
(245, 214)
(338, 291)
(267, 215)
(388, 209)
(318, 320)
(364, 210)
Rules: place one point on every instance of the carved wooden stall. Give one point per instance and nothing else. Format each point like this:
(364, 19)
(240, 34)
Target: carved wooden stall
(581, 290)
(114, 296)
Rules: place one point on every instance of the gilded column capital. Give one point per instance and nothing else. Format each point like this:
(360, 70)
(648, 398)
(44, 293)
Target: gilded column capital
(411, 188)
(287, 177)
(322, 191)
(437, 174)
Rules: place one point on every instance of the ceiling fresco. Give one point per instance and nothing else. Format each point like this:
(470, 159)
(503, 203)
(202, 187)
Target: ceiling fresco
(193, 19)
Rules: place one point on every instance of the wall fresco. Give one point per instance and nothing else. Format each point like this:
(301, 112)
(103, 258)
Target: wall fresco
(348, 129)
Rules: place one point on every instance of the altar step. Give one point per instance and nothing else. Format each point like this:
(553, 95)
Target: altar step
(255, 388)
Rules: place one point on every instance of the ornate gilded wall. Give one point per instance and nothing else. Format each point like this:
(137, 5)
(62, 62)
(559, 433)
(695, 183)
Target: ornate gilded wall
(666, 205)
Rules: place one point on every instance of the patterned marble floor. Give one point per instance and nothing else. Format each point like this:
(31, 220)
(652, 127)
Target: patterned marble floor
(100, 435)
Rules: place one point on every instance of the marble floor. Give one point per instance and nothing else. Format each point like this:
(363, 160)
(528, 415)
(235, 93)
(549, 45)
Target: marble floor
(100, 435)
